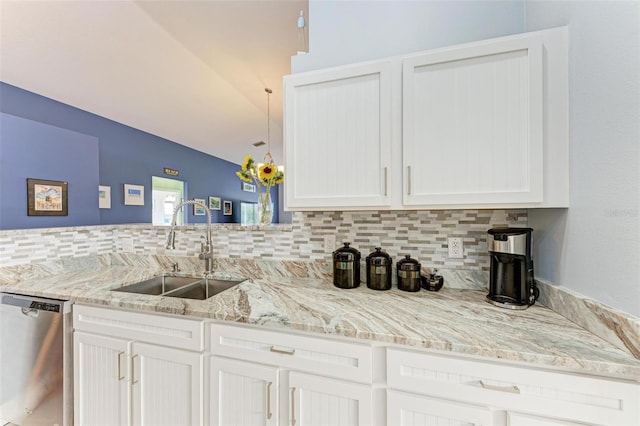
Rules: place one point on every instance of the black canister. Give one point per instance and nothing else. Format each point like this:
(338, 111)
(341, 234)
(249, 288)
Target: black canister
(346, 267)
(379, 270)
(408, 274)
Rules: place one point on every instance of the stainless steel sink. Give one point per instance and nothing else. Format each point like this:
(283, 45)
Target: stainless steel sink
(180, 286)
(158, 285)
(203, 289)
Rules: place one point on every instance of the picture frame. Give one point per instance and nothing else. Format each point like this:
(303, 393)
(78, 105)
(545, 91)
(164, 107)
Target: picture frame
(214, 203)
(104, 197)
(197, 209)
(47, 197)
(133, 195)
(248, 187)
(227, 208)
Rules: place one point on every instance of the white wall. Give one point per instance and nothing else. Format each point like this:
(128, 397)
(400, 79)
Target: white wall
(593, 248)
(342, 32)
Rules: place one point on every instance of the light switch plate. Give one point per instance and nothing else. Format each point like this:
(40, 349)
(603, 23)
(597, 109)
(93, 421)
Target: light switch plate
(329, 243)
(127, 245)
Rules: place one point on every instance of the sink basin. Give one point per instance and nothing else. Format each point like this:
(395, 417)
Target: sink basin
(158, 285)
(180, 286)
(203, 289)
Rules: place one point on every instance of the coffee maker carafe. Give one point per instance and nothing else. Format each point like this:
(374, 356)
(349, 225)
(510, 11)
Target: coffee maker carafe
(511, 283)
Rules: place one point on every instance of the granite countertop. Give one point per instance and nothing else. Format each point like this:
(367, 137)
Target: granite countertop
(457, 321)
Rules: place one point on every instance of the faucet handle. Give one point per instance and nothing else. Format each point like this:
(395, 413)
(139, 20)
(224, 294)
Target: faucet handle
(175, 267)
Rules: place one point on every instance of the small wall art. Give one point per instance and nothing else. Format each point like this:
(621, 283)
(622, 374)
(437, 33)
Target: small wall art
(198, 210)
(248, 187)
(227, 208)
(214, 203)
(104, 197)
(47, 197)
(133, 195)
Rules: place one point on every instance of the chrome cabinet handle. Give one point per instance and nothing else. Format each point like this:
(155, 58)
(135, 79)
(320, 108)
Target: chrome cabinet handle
(120, 375)
(286, 351)
(269, 414)
(408, 180)
(133, 363)
(385, 181)
(510, 389)
(293, 410)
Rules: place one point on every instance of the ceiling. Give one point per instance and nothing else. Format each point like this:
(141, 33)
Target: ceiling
(193, 72)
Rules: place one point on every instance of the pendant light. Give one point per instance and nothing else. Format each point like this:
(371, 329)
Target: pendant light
(268, 158)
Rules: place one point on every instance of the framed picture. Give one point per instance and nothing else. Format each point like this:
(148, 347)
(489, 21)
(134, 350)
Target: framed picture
(248, 187)
(47, 197)
(198, 210)
(227, 208)
(133, 195)
(104, 197)
(214, 203)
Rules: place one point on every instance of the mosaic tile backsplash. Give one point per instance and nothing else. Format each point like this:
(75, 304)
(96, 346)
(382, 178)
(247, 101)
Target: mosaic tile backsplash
(422, 234)
(33, 253)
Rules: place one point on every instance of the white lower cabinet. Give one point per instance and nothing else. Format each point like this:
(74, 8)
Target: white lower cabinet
(241, 393)
(146, 369)
(321, 401)
(517, 419)
(261, 377)
(510, 395)
(248, 394)
(405, 409)
(122, 381)
(102, 387)
(166, 386)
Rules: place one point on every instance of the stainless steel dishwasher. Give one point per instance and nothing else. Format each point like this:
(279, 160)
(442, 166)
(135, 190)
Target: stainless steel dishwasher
(36, 365)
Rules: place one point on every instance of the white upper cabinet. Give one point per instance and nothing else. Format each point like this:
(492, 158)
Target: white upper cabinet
(472, 124)
(479, 125)
(338, 137)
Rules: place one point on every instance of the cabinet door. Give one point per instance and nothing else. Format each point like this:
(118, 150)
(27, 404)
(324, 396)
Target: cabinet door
(101, 380)
(320, 401)
(413, 410)
(472, 124)
(517, 419)
(241, 393)
(166, 386)
(338, 137)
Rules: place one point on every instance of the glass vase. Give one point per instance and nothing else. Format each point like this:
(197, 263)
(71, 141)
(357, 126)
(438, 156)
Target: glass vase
(265, 209)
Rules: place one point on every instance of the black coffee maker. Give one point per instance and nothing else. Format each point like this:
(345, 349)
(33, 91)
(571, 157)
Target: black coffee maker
(511, 283)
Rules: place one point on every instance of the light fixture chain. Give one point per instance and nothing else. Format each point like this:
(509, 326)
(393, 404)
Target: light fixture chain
(268, 158)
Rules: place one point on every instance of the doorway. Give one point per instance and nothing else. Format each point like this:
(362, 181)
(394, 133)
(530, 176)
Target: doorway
(166, 194)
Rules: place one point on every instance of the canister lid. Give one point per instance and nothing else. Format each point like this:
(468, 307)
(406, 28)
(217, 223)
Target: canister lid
(346, 253)
(379, 257)
(509, 231)
(408, 264)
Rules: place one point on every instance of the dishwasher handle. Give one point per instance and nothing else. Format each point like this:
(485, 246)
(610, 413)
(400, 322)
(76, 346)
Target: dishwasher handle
(30, 304)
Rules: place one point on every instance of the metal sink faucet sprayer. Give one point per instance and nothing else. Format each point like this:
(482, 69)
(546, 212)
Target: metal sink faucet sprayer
(206, 245)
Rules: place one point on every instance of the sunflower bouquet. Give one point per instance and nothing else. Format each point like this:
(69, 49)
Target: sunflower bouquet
(264, 176)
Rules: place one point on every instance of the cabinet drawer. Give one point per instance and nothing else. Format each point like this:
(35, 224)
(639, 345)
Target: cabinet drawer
(168, 331)
(526, 390)
(344, 360)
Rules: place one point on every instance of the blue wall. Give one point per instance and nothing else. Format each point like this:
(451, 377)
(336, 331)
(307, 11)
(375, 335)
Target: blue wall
(34, 150)
(124, 155)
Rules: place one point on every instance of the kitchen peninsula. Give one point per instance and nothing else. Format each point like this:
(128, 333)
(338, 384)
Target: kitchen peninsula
(286, 298)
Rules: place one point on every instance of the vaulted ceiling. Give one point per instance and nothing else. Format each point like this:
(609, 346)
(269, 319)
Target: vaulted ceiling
(193, 72)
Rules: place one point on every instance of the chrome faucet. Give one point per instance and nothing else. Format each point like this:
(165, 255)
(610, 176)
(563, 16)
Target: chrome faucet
(206, 243)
